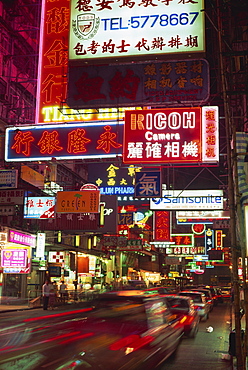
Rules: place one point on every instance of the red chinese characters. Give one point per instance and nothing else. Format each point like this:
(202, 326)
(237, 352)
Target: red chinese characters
(162, 226)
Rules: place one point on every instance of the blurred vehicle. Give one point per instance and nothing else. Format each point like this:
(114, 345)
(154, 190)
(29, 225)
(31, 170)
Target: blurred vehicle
(130, 332)
(157, 290)
(216, 294)
(226, 293)
(219, 294)
(208, 295)
(183, 307)
(135, 284)
(200, 303)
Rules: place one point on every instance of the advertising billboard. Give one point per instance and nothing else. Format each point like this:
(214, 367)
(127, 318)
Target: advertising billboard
(86, 201)
(132, 84)
(134, 29)
(188, 199)
(172, 135)
(39, 207)
(14, 257)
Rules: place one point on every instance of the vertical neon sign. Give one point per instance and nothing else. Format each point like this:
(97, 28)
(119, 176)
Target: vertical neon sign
(53, 60)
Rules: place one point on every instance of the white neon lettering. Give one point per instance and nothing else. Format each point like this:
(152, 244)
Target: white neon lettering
(188, 120)
(174, 120)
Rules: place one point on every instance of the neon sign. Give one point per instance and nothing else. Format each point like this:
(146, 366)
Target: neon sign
(188, 199)
(44, 142)
(173, 135)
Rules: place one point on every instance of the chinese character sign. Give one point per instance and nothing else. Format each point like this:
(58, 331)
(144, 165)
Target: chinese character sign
(132, 84)
(20, 238)
(170, 135)
(137, 28)
(162, 226)
(210, 136)
(39, 207)
(44, 142)
(148, 184)
(14, 257)
(113, 179)
(53, 60)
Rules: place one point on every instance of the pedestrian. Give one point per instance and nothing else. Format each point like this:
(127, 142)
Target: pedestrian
(45, 294)
(52, 298)
(63, 292)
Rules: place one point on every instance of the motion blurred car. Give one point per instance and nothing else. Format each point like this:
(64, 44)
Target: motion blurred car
(124, 330)
(141, 331)
(200, 303)
(226, 293)
(156, 290)
(183, 308)
(216, 294)
(208, 295)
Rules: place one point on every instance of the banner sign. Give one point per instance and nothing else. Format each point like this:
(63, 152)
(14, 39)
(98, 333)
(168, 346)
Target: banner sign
(148, 184)
(66, 141)
(113, 179)
(172, 135)
(113, 29)
(150, 83)
(39, 207)
(8, 179)
(85, 201)
(20, 238)
(184, 251)
(14, 196)
(202, 215)
(40, 247)
(14, 257)
(188, 199)
(162, 226)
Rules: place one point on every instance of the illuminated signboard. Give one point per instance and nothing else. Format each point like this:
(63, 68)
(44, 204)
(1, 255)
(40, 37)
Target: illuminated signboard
(14, 257)
(162, 226)
(39, 207)
(113, 29)
(113, 179)
(128, 84)
(182, 240)
(8, 179)
(20, 238)
(148, 183)
(184, 251)
(44, 142)
(86, 201)
(202, 215)
(188, 199)
(172, 135)
(218, 239)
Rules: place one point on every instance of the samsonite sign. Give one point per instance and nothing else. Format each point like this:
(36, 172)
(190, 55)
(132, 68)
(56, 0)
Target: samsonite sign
(188, 199)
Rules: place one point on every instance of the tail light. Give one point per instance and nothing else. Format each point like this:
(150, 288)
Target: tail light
(131, 343)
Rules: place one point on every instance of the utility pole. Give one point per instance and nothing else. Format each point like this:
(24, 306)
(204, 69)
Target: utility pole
(232, 193)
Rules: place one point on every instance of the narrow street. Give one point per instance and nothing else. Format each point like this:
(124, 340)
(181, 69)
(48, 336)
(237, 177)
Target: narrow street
(206, 350)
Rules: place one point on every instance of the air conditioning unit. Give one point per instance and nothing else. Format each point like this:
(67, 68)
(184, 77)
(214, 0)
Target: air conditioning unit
(4, 97)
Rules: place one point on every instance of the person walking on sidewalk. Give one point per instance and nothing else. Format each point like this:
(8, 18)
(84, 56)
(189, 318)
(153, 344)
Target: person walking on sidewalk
(45, 294)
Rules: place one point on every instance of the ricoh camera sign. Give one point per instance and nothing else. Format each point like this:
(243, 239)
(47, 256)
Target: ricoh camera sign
(110, 29)
(171, 135)
(188, 199)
